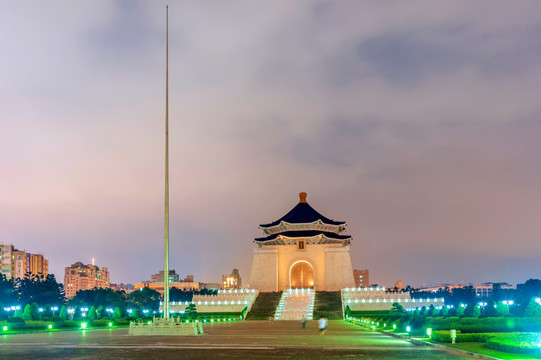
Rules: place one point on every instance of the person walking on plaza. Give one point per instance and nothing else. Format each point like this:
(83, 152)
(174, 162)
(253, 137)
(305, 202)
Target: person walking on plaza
(303, 322)
(322, 325)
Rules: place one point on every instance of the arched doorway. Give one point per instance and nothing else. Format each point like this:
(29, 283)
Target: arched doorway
(301, 275)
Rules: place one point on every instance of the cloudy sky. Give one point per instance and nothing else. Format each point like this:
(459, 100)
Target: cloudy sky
(416, 122)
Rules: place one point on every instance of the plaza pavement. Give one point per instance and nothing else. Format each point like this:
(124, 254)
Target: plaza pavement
(239, 340)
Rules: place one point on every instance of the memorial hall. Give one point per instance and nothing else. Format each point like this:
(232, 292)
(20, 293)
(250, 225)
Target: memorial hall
(302, 250)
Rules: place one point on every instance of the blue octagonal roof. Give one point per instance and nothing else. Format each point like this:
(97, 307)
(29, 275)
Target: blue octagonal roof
(302, 213)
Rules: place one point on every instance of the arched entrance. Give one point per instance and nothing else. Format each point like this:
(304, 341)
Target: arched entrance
(301, 275)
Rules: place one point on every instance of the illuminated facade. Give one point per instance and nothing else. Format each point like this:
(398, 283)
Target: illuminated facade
(16, 263)
(84, 277)
(232, 281)
(303, 249)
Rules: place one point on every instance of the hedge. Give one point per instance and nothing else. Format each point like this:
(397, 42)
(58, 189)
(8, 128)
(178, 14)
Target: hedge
(485, 325)
(445, 337)
(521, 343)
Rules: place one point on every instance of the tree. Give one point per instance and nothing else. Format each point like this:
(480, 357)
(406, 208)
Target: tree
(27, 313)
(190, 312)
(502, 309)
(50, 291)
(96, 297)
(92, 313)
(36, 288)
(531, 288)
(7, 291)
(99, 312)
(34, 308)
(469, 310)
(398, 308)
(533, 309)
(144, 299)
(63, 313)
(181, 295)
(465, 295)
(117, 314)
(490, 308)
(445, 311)
(476, 311)
(460, 309)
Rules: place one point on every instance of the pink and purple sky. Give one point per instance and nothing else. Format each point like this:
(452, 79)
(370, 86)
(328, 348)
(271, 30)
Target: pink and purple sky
(418, 123)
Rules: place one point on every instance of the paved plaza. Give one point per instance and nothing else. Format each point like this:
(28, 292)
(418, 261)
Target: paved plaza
(241, 340)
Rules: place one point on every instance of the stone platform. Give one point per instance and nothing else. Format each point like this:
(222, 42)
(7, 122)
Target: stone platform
(165, 327)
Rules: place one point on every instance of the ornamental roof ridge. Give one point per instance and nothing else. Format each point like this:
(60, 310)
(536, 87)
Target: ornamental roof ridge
(305, 234)
(315, 222)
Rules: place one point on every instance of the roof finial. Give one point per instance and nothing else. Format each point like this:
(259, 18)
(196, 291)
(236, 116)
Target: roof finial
(302, 197)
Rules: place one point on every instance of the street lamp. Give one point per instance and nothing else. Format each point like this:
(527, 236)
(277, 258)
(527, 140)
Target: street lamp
(482, 306)
(54, 308)
(507, 303)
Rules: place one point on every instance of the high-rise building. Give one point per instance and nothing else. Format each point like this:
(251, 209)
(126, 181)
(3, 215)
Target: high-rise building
(18, 263)
(84, 277)
(232, 281)
(361, 278)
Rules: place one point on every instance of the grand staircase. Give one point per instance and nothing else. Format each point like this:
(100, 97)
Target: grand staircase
(264, 306)
(296, 304)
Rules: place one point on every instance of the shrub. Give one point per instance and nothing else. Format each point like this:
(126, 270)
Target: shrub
(35, 324)
(15, 319)
(122, 322)
(485, 325)
(445, 337)
(72, 324)
(101, 323)
(522, 343)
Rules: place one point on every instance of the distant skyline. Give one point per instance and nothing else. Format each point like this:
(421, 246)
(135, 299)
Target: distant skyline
(417, 123)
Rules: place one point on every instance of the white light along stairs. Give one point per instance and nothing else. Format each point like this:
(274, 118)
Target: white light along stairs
(296, 304)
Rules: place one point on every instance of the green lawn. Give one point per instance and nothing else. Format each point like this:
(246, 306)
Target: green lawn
(481, 349)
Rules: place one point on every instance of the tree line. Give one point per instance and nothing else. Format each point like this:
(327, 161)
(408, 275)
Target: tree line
(36, 298)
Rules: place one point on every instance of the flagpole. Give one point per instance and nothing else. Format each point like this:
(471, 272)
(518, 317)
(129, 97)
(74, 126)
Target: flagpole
(166, 230)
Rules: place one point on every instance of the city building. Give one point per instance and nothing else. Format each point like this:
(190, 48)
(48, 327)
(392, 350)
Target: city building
(127, 288)
(303, 249)
(17, 264)
(156, 282)
(361, 278)
(486, 289)
(213, 286)
(84, 277)
(183, 285)
(232, 281)
(436, 288)
(158, 278)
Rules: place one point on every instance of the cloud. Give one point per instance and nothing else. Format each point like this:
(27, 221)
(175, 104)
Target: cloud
(417, 124)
